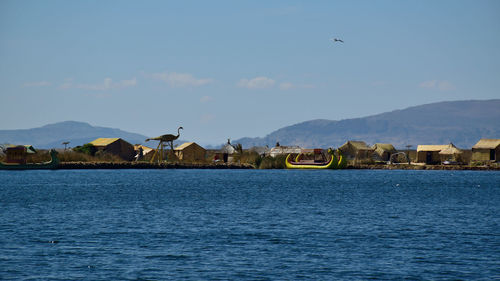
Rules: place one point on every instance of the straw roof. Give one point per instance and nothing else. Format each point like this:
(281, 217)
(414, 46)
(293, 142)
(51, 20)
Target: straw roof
(381, 147)
(487, 144)
(450, 151)
(184, 145)
(145, 149)
(421, 147)
(29, 148)
(358, 145)
(103, 141)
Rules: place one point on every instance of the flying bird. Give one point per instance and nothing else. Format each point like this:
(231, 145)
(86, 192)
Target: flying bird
(336, 40)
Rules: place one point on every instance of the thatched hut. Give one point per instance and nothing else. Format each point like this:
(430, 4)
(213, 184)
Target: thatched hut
(486, 150)
(18, 153)
(384, 150)
(115, 146)
(451, 154)
(146, 151)
(356, 150)
(190, 151)
(429, 154)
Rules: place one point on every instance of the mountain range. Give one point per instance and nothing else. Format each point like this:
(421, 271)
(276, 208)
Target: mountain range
(460, 122)
(77, 133)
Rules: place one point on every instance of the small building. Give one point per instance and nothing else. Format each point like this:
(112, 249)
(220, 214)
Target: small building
(356, 150)
(384, 150)
(190, 151)
(142, 152)
(145, 150)
(18, 153)
(452, 154)
(226, 153)
(115, 146)
(486, 150)
(284, 150)
(430, 154)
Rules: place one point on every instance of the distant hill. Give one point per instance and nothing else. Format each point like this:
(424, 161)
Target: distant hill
(460, 122)
(77, 133)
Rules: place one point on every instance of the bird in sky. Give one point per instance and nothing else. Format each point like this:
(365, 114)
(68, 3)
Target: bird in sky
(336, 40)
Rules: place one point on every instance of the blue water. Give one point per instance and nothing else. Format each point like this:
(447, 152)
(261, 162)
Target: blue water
(253, 225)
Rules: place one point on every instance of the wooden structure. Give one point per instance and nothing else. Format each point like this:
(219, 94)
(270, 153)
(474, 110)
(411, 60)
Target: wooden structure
(190, 151)
(22, 165)
(384, 150)
(17, 154)
(486, 150)
(284, 150)
(115, 146)
(164, 139)
(429, 154)
(357, 150)
(452, 154)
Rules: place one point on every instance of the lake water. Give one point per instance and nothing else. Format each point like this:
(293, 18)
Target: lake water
(249, 224)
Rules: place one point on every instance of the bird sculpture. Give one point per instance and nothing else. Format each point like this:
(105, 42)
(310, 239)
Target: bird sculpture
(168, 138)
(336, 40)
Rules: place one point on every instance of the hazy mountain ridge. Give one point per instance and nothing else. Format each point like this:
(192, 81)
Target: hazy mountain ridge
(77, 133)
(460, 122)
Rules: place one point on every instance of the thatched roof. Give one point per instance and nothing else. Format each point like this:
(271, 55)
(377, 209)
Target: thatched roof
(358, 145)
(421, 147)
(103, 141)
(145, 149)
(381, 147)
(27, 147)
(487, 144)
(450, 151)
(184, 145)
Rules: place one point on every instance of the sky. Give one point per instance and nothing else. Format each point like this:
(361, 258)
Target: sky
(232, 69)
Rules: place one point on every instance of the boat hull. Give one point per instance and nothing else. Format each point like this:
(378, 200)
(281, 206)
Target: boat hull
(334, 163)
(52, 164)
(298, 165)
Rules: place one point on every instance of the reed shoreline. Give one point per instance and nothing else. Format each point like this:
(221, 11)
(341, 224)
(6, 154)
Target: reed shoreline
(146, 165)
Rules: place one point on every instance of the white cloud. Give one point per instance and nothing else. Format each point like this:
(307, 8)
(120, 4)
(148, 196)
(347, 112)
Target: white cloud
(206, 99)
(107, 84)
(37, 84)
(174, 79)
(435, 84)
(256, 83)
(286, 86)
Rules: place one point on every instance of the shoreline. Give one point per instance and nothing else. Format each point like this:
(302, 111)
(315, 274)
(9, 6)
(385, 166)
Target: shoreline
(422, 167)
(145, 165)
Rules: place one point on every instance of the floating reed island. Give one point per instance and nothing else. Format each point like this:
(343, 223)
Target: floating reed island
(116, 153)
(147, 165)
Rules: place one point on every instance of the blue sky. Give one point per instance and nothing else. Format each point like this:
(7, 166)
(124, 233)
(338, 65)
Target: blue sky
(229, 69)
